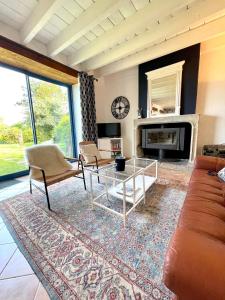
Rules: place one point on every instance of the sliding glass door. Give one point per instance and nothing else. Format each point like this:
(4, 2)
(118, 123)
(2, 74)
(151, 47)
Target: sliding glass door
(51, 114)
(32, 111)
(15, 124)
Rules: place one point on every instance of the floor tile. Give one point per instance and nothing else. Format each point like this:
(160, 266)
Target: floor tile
(7, 252)
(17, 266)
(19, 288)
(5, 236)
(41, 293)
(17, 189)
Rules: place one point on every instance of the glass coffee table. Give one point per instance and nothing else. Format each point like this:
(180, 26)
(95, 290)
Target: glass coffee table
(127, 187)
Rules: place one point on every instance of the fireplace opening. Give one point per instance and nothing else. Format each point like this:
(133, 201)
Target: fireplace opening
(166, 141)
(163, 138)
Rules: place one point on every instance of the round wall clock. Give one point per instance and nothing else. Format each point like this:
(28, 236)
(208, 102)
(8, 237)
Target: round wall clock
(120, 107)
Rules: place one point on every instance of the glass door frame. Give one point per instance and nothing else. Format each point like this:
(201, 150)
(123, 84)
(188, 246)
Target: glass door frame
(30, 103)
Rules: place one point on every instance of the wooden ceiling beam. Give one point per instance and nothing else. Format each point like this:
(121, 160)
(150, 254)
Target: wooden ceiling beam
(189, 38)
(198, 11)
(90, 18)
(38, 18)
(140, 20)
(41, 61)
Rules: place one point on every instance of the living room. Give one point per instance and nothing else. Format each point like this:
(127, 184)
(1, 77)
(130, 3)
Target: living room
(112, 149)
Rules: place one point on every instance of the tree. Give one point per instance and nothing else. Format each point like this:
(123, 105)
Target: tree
(9, 134)
(49, 103)
(62, 134)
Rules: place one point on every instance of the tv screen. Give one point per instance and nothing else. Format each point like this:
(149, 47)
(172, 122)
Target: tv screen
(109, 130)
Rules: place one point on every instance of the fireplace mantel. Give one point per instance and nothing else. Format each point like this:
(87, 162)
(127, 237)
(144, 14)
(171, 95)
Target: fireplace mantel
(193, 119)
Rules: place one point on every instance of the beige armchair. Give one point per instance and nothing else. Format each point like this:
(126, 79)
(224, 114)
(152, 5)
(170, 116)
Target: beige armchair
(48, 165)
(91, 155)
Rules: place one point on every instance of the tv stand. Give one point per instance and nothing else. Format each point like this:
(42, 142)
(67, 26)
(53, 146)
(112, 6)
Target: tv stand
(112, 147)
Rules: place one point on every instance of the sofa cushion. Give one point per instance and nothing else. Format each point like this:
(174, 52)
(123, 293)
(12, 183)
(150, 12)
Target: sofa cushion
(203, 222)
(202, 176)
(199, 195)
(194, 266)
(205, 206)
(204, 187)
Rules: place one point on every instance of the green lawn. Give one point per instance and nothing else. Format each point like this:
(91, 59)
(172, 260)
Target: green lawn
(12, 158)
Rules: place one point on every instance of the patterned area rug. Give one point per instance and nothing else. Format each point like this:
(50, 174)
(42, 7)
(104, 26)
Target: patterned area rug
(81, 253)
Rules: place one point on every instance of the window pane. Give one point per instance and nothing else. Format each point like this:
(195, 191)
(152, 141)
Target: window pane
(51, 113)
(15, 126)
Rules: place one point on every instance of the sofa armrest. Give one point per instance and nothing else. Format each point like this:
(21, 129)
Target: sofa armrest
(194, 267)
(209, 163)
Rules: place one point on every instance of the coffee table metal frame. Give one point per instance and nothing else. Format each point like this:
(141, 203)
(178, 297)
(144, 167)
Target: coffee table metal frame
(137, 196)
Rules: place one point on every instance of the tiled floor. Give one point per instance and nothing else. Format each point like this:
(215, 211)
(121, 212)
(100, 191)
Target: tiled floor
(17, 280)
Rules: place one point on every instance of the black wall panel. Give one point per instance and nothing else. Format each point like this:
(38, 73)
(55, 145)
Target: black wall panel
(189, 77)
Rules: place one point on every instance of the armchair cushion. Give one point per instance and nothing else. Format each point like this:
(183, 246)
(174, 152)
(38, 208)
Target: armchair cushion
(89, 153)
(57, 178)
(47, 157)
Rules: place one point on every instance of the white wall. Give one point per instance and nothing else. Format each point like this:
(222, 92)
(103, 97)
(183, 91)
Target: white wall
(211, 92)
(124, 83)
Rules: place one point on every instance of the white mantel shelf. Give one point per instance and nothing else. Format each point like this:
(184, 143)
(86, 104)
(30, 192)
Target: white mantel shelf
(193, 119)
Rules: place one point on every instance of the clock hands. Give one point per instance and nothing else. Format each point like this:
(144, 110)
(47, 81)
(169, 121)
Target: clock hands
(120, 107)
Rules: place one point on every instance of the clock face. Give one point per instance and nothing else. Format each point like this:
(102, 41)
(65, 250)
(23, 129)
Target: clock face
(120, 107)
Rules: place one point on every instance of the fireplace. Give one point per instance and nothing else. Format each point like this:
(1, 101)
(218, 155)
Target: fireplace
(171, 137)
(163, 139)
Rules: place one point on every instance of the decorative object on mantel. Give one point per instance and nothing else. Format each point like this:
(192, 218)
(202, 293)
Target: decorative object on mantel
(140, 113)
(164, 90)
(120, 107)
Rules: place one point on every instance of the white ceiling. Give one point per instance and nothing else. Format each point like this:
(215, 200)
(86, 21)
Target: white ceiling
(100, 35)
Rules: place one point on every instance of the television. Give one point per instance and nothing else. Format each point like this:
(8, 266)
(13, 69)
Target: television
(109, 130)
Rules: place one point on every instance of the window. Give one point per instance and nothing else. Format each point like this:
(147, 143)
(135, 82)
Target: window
(32, 111)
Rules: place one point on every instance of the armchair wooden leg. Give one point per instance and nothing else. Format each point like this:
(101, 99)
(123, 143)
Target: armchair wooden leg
(46, 190)
(80, 162)
(96, 162)
(47, 197)
(30, 186)
(30, 181)
(98, 176)
(84, 182)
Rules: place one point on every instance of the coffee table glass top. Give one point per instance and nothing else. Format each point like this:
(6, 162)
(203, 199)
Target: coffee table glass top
(132, 167)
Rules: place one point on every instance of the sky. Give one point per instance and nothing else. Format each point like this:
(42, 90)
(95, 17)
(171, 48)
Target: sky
(11, 92)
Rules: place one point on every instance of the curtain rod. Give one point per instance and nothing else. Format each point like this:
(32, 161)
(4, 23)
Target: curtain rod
(96, 79)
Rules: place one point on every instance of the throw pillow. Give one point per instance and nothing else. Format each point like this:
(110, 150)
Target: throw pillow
(221, 174)
(89, 152)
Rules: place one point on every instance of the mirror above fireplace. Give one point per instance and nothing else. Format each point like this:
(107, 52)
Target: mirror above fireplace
(164, 90)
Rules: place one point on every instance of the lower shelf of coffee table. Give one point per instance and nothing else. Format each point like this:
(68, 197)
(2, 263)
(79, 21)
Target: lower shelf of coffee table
(117, 190)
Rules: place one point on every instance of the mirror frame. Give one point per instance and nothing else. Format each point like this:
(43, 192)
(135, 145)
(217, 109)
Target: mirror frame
(176, 69)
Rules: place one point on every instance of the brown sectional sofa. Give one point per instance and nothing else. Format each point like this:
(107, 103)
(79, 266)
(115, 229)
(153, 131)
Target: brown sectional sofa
(194, 266)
